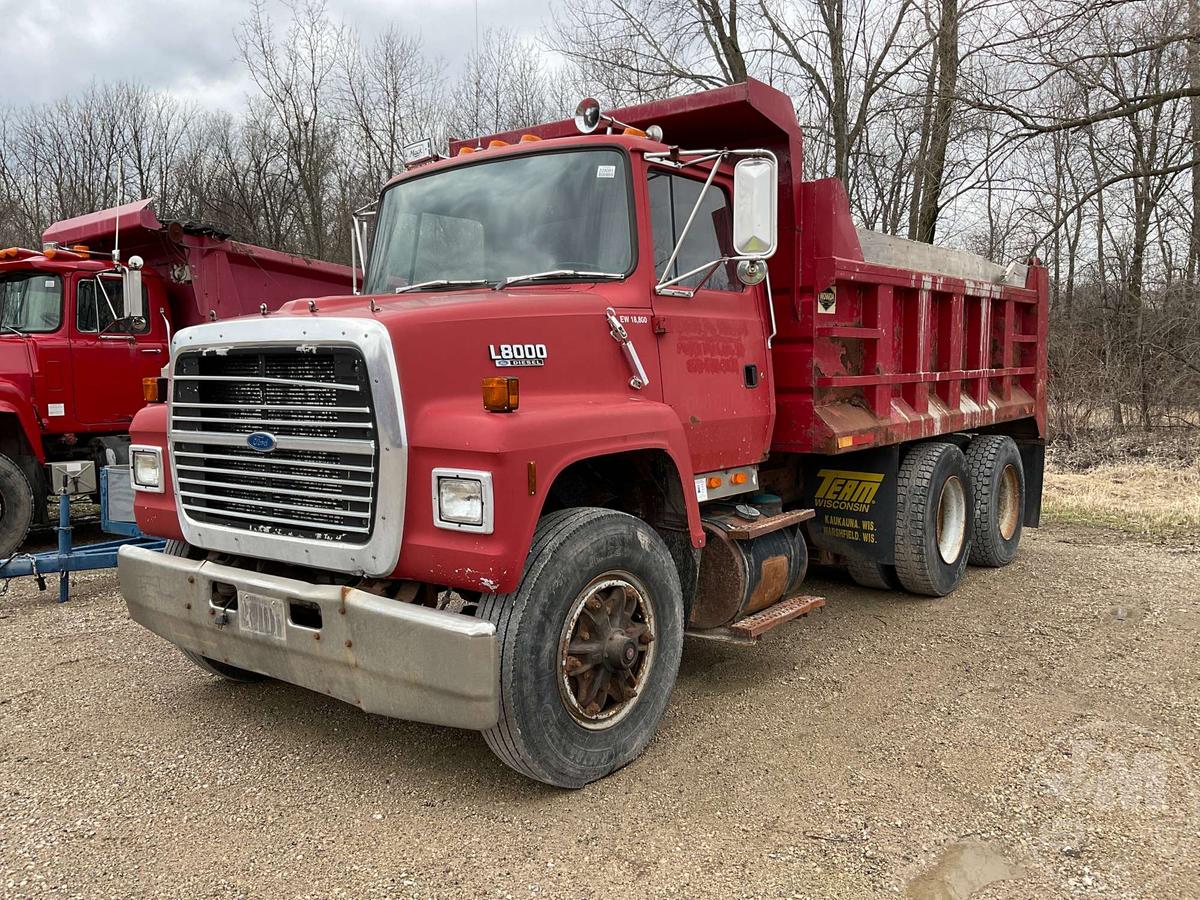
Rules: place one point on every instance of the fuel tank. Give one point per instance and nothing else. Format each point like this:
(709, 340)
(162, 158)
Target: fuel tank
(741, 577)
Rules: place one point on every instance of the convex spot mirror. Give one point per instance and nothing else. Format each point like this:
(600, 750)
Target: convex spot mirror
(755, 208)
(131, 279)
(587, 115)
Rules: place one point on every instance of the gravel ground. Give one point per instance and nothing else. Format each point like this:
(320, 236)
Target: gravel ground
(1032, 735)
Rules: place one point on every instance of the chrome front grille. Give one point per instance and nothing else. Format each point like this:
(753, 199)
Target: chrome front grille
(313, 403)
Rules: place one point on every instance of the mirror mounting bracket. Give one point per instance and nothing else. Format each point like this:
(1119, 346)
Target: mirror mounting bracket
(679, 158)
(358, 241)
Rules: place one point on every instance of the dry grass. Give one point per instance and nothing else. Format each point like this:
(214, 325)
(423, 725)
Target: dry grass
(1142, 498)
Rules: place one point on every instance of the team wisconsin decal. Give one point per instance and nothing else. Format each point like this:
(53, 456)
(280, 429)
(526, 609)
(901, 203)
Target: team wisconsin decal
(844, 490)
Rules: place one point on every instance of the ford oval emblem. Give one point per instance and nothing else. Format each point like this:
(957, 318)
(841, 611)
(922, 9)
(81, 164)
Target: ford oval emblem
(262, 441)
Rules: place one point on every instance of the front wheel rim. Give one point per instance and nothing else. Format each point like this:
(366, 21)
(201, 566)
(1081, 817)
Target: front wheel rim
(606, 650)
(951, 524)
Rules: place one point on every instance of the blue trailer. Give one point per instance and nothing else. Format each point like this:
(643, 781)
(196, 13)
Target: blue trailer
(116, 517)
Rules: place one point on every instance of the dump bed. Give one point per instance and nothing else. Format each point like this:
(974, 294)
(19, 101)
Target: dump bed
(887, 340)
(205, 272)
(880, 340)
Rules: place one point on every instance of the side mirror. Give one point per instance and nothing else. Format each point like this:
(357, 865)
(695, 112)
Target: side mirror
(131, 287)
(755, 208)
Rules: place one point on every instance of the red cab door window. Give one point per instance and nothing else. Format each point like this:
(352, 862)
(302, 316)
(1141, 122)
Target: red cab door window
(713, 352)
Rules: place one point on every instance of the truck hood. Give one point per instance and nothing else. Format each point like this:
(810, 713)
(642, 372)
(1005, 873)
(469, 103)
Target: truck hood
(446, 343)
(388, 306)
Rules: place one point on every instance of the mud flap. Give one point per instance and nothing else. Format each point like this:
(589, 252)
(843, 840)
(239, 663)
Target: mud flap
(854, 495)
(1033, 461)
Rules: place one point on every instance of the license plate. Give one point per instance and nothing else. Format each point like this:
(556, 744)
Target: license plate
(262, 615)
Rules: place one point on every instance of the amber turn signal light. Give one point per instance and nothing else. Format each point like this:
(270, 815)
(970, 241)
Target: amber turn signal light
(501, 394)
(154, 389)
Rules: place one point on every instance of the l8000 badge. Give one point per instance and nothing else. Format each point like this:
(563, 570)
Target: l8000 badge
(510, 355)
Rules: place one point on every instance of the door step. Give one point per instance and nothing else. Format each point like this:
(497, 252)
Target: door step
(751, 628)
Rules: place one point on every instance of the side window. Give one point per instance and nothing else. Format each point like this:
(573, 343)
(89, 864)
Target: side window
(672, 198)
(100, 302)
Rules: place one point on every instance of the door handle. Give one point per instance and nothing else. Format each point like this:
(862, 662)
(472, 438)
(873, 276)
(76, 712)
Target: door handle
(152, 350)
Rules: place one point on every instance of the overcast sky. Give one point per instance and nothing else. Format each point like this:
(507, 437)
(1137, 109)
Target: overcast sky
(188, 49)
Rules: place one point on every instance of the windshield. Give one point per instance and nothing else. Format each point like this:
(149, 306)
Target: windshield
(505, 218)
(30, 301)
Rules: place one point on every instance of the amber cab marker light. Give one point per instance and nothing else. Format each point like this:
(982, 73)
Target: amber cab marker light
(496, 144)
(501, 394)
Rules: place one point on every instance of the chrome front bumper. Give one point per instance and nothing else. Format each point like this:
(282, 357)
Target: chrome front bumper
(382, 655)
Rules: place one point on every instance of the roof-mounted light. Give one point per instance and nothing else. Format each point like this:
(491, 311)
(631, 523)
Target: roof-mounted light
(418, 152)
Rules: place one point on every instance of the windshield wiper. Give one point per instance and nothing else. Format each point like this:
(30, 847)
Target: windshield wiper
(562, 273)
(13, 329)
(441, 283)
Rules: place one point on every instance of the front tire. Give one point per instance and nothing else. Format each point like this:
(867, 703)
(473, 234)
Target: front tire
(16, 507)
(934, 519)
(590, 643)
(211, 666)
(223, 670)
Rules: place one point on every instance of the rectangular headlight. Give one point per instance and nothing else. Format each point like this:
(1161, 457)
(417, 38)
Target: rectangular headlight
(462, 500)
(145, 469)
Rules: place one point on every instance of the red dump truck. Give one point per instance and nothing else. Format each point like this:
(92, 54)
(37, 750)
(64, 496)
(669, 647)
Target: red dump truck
(611, 381)
(73, 353)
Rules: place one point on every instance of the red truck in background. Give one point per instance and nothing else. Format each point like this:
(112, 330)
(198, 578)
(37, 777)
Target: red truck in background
(611, 382)
(73, 357)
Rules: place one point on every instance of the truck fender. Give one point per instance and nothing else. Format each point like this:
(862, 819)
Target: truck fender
(155, 512)
(544, 440)
(12, 403)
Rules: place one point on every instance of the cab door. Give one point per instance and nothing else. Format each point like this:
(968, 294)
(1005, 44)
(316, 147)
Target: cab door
(112, 354)
(712, 345)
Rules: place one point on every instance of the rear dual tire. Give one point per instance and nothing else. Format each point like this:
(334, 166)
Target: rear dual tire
(952, 508)
(998, 480)
(935, 519)
(870, 574)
